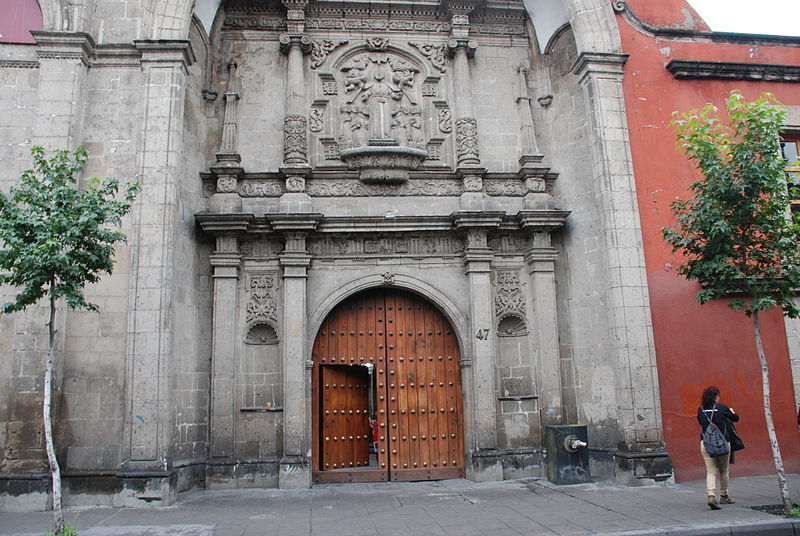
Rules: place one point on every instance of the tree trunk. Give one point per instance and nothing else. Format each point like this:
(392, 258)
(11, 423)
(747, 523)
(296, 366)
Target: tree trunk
(55, 471)
(773, 438)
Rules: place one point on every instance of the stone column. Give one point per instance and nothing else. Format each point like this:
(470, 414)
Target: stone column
(295, 468)
(148, 427)
(480, 374)
(295, 126)
(468, 161)
(639, 410)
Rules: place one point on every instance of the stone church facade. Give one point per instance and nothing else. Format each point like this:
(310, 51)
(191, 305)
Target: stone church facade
(331, 190)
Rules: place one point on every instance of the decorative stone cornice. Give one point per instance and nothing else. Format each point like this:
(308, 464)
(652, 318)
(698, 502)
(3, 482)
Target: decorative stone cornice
(729, 70)
(301, 221)
(478, 219)
(542, 220)
(64, 45)
(166, 51)
(19, 64)
(224, 223)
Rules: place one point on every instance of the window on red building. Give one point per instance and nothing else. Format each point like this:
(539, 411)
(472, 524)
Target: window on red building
(17, 19)
(790, 147)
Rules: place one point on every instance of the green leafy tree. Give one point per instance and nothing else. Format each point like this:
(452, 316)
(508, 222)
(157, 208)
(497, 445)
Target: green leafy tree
(737, 234)
(57, 235)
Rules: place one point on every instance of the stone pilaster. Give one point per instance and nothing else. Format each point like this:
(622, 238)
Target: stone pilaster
(540, 258)
(295, 466)
(639, 411)
(225, 261)
(479, 367)
(150, 324)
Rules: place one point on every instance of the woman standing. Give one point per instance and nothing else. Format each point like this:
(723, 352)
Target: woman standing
(722, 416)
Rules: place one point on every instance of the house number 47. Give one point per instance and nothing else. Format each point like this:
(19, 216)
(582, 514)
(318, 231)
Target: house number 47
(482, 334)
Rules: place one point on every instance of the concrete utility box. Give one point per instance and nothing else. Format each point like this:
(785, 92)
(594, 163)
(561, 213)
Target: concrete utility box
(567, 454)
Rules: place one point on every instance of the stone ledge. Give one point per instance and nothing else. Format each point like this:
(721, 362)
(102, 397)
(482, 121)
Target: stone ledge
(728, 70)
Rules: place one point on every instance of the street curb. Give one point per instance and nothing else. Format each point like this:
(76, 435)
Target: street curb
(778, 527)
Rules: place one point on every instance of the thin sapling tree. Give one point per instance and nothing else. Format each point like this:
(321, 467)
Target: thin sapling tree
(57, 235)
(736, 232)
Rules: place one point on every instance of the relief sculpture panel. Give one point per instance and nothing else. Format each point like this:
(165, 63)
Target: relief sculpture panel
(379, 94)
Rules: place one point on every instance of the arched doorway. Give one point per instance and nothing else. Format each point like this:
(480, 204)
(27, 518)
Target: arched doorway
(386, 392)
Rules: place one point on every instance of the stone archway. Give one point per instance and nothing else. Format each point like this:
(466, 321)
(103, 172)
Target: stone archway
(386, 391)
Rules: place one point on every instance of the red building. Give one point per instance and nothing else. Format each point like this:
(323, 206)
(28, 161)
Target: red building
(676, 64)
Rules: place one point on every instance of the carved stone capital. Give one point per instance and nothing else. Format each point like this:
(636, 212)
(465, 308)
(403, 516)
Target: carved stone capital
(290, 40)
(467, 45)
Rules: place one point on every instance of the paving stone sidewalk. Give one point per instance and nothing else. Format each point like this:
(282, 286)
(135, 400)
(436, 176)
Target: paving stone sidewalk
(446, 508)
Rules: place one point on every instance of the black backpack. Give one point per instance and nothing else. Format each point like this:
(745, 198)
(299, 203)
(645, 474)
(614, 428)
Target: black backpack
(713, 439)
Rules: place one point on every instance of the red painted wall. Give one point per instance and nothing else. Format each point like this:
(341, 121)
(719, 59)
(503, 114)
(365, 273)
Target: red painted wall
(17, 18)
(699, 345)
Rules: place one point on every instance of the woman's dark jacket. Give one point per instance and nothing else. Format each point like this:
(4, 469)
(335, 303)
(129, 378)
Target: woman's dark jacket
(724, 418)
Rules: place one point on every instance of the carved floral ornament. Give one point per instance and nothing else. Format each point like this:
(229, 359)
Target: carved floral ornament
(509, 297)
(261, 306)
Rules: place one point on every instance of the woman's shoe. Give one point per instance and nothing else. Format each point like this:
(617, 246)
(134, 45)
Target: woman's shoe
(726, 499)
(712, 502)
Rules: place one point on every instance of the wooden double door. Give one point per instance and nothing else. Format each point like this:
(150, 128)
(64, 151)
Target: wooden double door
(386, 390)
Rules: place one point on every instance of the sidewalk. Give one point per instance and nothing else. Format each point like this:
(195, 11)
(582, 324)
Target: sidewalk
(446, 508)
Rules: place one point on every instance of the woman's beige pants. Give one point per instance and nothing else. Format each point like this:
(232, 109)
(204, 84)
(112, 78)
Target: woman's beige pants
(713, 465)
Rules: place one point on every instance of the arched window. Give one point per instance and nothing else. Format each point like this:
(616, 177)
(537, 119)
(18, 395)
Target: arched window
(17, 19)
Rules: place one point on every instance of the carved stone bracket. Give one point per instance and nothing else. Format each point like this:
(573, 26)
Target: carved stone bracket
(435, 53)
